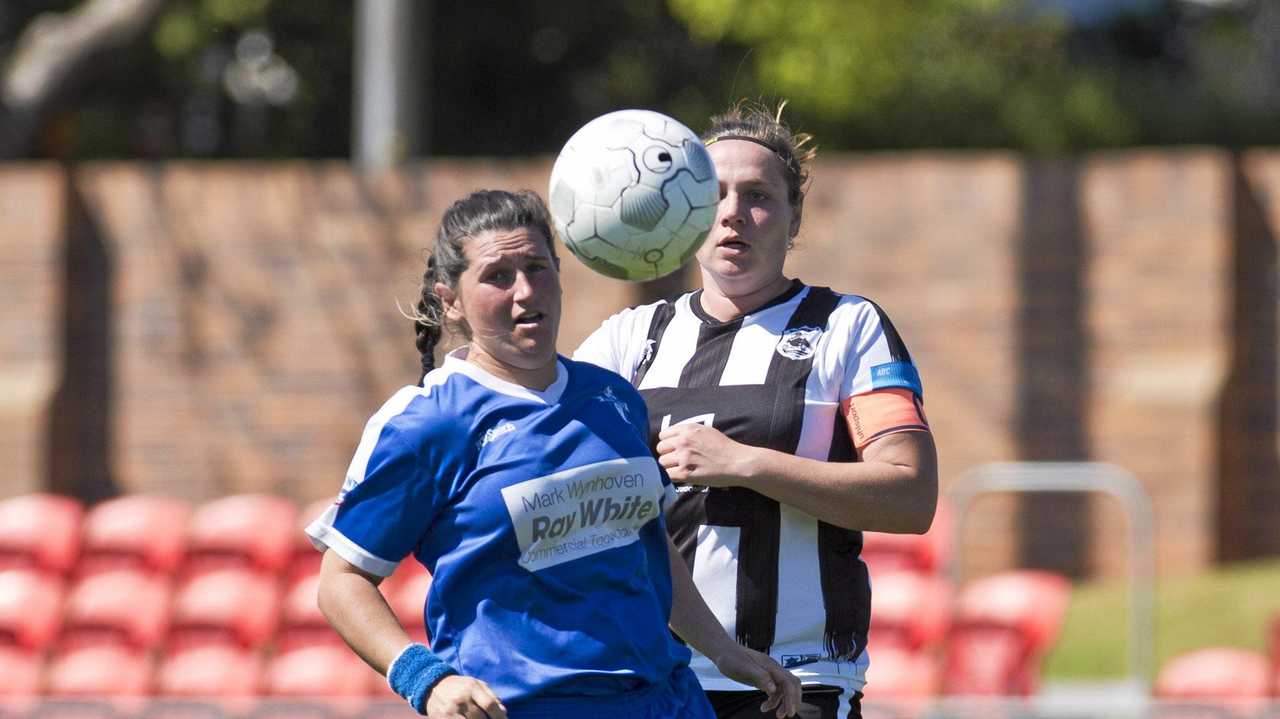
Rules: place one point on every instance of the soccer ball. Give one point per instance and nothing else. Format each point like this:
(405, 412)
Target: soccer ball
(633, 194)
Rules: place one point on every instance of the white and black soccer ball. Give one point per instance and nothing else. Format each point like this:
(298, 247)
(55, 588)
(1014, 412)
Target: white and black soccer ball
(633, 194)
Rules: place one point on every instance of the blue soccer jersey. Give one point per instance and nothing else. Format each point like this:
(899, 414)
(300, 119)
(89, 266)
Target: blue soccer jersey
(539, 515)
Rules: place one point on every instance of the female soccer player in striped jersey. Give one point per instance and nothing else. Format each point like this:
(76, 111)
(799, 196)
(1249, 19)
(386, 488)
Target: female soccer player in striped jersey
(522, 480)
(791, 419)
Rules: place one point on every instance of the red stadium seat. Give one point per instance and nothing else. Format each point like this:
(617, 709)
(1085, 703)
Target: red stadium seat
(30, 608)
(210, 672)
(136, 531)
(119, 607)
(896, 672)
(1214, 673)
(233, 607)
(1275, 655)
(21, 670)
(99, 672)
(40, 531)
(301, 622)
(318, 671)
(253, 531)
(909, 610)
(927, 553)
(305, 559)
(1002, 627)
(1033, 601)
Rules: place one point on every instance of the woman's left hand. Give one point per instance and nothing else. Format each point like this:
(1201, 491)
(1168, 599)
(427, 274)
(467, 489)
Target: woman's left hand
(762, 672)
(694, 453)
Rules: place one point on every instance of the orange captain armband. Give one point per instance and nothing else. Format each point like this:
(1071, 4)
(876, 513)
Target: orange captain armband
(882, 412)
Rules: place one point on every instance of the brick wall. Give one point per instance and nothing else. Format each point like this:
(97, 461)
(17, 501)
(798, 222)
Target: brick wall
(256, 313)
(31, 279)
(933, 242)
(1158, 228)
(237, 323)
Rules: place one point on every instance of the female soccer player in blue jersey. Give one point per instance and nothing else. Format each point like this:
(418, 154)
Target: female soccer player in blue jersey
(790, 418)
(523, 481)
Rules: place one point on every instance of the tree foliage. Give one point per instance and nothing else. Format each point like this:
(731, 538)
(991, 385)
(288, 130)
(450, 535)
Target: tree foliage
(502, 77)
(274, 78)
(1006, 73)
(55, 55)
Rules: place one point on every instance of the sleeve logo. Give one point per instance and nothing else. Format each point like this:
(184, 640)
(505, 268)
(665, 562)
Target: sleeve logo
(648, 351)
(896, 374)
(495, 432)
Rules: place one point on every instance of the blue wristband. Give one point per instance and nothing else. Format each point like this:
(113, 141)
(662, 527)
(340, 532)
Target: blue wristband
(415, 673)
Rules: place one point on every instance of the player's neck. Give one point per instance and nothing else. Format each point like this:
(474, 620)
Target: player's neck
(726, 302)
(538, 379)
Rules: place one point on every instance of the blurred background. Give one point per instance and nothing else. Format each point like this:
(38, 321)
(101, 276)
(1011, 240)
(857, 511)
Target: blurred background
(209, 210)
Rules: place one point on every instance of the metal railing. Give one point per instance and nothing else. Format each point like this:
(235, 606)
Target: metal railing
(1086, 477)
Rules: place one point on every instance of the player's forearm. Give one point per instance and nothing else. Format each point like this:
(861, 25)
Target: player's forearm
(871, 495)
(691, 618)
(359, 613)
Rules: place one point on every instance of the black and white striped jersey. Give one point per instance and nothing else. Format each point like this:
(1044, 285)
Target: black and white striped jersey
(785, 376)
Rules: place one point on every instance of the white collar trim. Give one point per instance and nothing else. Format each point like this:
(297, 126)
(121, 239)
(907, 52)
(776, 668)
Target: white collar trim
(456, 361)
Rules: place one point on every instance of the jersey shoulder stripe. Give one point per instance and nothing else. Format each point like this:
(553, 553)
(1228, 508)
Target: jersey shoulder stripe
(663, 312)
(375, 428)
(617, 343)
(883, 361)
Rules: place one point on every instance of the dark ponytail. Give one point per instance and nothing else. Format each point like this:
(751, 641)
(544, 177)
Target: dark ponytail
(427, 332)
(481, 211)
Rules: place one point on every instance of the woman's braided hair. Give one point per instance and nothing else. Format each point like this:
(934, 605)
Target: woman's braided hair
(481, 211)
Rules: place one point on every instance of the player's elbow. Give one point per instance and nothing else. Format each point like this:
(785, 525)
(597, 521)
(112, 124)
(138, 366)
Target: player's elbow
(919, 517)
(924, 499)
(920, 502)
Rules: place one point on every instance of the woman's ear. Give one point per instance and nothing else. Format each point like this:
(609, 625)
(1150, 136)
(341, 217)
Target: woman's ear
(797, 212)
(449, 301)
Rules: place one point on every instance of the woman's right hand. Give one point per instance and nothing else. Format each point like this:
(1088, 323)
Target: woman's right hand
(782, 688)
(459, 697)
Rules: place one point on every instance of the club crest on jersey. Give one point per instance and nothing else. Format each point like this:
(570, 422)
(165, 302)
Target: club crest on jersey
(798, 343)
(611, 398)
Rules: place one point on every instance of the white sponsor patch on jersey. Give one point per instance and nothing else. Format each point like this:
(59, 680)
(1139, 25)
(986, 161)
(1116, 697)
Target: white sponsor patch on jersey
(581, 511)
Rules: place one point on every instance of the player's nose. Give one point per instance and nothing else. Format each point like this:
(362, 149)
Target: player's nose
(730, 210)
(522, 288)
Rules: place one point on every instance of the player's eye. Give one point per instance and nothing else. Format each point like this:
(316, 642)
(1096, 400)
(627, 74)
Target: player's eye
(498, 277)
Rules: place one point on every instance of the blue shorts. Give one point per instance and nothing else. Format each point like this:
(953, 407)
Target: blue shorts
(680, 697)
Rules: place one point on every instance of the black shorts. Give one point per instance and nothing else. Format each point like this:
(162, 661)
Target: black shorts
(820, 702)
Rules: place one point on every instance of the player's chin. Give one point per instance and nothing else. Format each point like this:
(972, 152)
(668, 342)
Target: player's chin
(734, 265)
(535, 346)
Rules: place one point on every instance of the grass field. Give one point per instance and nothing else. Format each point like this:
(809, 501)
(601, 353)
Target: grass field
(1231, 606)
